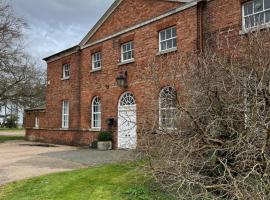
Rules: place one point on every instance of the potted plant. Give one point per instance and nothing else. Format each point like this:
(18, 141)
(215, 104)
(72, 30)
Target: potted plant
(105, 140)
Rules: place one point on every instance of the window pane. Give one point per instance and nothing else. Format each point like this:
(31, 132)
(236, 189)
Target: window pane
(163, 46)
(249, 22)
(125, 56)
(129, 55)
(266, 4)
(258, 5)
(267, 17)
(248, 8)
(259, 19)
(174, 32)
(168, 33)
(169, 44)
(174, 42)
(162, 35)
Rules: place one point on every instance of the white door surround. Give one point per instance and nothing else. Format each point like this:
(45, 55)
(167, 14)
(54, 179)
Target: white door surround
(127, 122)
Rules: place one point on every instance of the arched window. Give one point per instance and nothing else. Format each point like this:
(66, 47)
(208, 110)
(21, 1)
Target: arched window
(167, 108)
(127, 99)
(96, 113)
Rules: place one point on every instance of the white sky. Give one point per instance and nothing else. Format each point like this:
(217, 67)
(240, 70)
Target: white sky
(55, 25)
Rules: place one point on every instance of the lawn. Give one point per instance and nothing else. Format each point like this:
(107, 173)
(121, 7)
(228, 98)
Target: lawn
(110, 182)
(9, 138)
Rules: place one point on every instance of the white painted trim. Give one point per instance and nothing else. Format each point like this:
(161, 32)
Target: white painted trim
(82, 44)
(167, 14)
(107, 15)
(65, 114)
(94, 113)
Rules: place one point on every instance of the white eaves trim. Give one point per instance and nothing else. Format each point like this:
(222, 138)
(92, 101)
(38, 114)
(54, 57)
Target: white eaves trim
(108, 13)
(172, 12)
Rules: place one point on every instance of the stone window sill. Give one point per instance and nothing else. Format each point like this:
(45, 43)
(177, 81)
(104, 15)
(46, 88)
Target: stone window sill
(64, 129)
(95, 70)
(250, 30)
(166, 51)
(64, 79)
(126, 62)
(95, 129)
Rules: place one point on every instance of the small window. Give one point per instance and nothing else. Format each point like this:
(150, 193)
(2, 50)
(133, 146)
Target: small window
(167, 108)
(96, 113)
(66, 71)
(96, 61)
(127, 51)
(167, 39)
(256, 13)
(65, 114)
(37, 121)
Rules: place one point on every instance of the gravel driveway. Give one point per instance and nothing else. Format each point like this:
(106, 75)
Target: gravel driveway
(20, 159)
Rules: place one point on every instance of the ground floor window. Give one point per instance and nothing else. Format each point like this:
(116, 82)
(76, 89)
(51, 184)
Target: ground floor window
(167, 108)
(65, 114)
(96, 113)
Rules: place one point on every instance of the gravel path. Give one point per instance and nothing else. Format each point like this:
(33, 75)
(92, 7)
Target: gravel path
(21, 159)
(12, 133)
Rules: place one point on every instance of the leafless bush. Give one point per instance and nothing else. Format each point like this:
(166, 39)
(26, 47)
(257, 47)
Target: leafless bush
(213, 141)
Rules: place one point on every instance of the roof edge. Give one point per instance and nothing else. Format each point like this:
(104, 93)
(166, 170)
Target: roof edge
(60, 54)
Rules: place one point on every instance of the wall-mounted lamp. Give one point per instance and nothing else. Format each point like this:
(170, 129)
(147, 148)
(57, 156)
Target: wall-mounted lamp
(121, 79)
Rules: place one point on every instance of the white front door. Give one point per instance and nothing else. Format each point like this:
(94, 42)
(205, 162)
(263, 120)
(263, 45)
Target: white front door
(127, 122)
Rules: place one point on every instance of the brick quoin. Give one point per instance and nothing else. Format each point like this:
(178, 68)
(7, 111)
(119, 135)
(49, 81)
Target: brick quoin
(205, 22)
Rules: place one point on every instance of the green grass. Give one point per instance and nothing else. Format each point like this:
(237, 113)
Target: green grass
(110, 182)
(9, 138)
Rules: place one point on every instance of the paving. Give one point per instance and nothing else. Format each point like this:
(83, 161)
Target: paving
(12, 133)
(21, 159)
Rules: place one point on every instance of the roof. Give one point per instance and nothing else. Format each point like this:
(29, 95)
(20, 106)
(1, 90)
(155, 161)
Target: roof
(108, 13)
(111, 9)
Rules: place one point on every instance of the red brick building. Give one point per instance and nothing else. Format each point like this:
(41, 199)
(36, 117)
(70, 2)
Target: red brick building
(95, 85)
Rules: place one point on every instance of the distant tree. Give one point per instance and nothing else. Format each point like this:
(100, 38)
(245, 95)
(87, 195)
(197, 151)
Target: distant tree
(20, 81)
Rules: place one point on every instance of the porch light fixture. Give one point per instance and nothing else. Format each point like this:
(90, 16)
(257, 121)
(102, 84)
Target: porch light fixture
(121, 79)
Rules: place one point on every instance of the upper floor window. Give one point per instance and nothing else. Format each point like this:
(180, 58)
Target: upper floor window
(96, 113)
(66, 71)
(96, 61)
(65, 114)
(256, 13)
(127, 51)
(167, 39)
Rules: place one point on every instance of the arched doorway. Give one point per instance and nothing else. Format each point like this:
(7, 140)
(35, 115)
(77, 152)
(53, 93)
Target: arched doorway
(127, 122)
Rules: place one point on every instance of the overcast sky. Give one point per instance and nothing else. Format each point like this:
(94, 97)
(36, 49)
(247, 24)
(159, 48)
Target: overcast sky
(55, 25)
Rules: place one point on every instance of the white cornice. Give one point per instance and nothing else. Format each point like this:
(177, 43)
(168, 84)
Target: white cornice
(167, 14)
(108, 13)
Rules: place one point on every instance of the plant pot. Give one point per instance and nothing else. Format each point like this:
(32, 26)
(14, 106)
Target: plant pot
(104, 146)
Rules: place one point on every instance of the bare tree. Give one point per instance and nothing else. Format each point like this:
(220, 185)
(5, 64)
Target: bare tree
(212, 139)
(20, 81)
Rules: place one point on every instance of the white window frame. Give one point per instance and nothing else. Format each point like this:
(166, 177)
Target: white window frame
(65, 114)
(36, 121)
(96, 58)
(161, 109)
(131, 43)
(96, 124)
(66, 71)
(253, 15)
(168, 39)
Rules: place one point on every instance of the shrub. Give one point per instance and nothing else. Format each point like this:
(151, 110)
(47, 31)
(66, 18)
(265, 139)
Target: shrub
(105, 136)
(10, 122)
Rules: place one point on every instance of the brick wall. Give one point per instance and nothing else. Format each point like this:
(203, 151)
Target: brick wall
(221, 22)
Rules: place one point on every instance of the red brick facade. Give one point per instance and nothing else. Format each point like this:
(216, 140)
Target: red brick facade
(197, 23)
